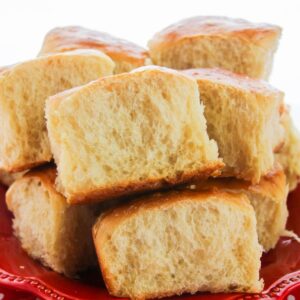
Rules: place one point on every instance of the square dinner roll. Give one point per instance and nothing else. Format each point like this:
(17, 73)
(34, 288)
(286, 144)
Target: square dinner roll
(179, 242)
(129, 133)
(268, 199)
(289, 156)
(210, 41)
(23, 91)
(50, 230)
(126, 55)
(243, 117)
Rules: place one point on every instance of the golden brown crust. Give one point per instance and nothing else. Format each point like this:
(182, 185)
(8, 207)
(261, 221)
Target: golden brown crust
(28, 166)
(239, 81)
(8, 179)
(212, 169)
(272, 185)
(111, 82)
(45, 174)
(62, 39)
(279, 147)
(217, 26)
(111, 219)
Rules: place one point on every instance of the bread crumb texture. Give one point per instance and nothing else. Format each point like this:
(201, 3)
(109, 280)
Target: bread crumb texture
(23, 91)
(178, 242)
(130, 132)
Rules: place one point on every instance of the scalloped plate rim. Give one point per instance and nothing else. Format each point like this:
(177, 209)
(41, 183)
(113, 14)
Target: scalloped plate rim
(278, 290)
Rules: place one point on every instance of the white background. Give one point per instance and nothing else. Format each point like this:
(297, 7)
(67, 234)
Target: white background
(24, 23)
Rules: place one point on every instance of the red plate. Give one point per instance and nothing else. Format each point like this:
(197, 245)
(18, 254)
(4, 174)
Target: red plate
(280, 268)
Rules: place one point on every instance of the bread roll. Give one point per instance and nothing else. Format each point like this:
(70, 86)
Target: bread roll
(208, 41)
(50, 230)
(179, 242)
(289, 156)
(268, 198)
(126, 55)
(23, 90)
(128, 133)
(243, 116)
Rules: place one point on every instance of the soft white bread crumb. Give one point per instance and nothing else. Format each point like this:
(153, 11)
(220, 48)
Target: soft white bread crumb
(23, 91)
(289, 156)
(208, 42)
(177, 242)
(243, 117)
(50, 230)
(130, 132)
(126, 55)
(268, 198)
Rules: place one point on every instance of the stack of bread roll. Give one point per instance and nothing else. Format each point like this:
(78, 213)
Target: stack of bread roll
(169, 167)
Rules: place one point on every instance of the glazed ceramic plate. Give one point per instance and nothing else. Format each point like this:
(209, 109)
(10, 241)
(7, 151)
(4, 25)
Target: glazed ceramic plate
(280, 268)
